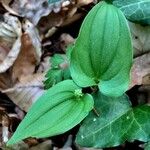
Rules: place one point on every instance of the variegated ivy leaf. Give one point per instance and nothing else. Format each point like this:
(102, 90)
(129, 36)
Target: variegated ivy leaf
(117, 122)
(135, 10)
(147, 146)
(102, 54)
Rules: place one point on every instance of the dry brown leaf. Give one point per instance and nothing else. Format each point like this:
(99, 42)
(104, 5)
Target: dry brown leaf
(146, 80)
(72, 19)
(47, 145)
(10, 34)
(65, 40)
(52, 20)
(5, 122)
(44, 65)
(4, 49)
(5, 81)
(33, 33)
(64, 18)
(33, 9)
(19, 146)
(50, 32)
(11, 57)
(140, 69)
(84, 2)
(27, 60)
(5, 4)
(140, 38)
(27, 91)
(18, 82)
(30, 52)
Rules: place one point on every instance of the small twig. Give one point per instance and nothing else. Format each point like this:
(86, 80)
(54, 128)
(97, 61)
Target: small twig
(96, 112)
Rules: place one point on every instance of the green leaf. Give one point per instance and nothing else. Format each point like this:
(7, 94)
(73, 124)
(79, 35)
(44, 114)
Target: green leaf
(147, 146)
(69, 51)
(53, 76)
(59, 70)
(57, 59)
(58, 110)
(135, 10)
(102, 54)
(118, 122)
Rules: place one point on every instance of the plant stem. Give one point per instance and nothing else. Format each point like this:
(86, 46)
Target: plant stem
(95, 111)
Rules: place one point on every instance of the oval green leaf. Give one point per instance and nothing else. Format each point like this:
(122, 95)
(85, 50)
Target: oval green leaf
(135, 10)
(55, 112)
(118, 122)
(102, 54)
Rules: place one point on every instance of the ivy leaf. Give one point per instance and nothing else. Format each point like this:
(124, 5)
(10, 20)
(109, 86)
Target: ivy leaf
(59, 70)
(118, 122)
(147, 146)
(59, 109)
(102, 54)
(135, 10)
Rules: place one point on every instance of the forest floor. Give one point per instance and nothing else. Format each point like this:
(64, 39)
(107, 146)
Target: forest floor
(30, 34)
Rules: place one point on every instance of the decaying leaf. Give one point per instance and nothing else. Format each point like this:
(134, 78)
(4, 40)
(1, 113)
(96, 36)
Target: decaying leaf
(26, 92)
(33, 33)
(140, 69)
(146, 79)
(44, 65)
(47, 145)
(5, 81)
(4, 49)
(65, 40)
(21, 61)
(4, 121)
(33, 9)
(11, 33)
(145, 91)
(140, 38)
(27, 60)
(64, 18)
(25, 51)
(84, 2)
(5, 4)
